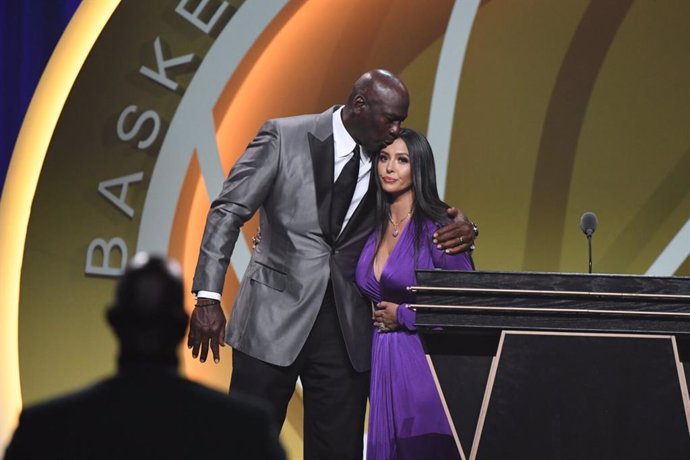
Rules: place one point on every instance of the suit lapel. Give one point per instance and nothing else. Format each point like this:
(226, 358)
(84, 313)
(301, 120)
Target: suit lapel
(322, 157)
(322, 162)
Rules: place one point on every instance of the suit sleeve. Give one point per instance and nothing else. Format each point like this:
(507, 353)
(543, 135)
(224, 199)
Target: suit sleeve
(244, 191)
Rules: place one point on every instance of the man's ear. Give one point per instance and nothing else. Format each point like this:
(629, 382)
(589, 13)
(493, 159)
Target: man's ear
(111, 316)
(359, 102)
(114, 317)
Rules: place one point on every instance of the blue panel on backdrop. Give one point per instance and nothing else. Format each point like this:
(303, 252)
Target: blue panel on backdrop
(29, 31)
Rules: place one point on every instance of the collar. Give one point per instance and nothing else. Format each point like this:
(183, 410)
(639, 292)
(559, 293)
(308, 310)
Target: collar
(344, 144)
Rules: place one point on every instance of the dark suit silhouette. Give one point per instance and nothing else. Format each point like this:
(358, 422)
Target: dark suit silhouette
(147, 410)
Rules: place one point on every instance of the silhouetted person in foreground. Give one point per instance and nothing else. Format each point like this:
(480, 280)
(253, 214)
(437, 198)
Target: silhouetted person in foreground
(147, 410)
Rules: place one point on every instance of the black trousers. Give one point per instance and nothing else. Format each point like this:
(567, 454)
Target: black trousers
(334, 393)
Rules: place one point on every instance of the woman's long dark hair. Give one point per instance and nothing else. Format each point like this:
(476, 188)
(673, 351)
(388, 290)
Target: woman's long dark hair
(426, 203)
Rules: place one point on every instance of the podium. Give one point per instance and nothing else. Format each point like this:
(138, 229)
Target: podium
(559, 366)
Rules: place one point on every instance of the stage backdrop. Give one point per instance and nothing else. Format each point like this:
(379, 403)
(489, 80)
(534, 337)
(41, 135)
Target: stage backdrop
(537, 111)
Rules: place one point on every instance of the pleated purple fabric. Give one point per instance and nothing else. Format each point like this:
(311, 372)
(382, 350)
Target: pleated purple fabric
(406, 416)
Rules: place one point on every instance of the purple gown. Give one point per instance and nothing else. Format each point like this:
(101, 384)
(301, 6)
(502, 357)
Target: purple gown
(406, 416)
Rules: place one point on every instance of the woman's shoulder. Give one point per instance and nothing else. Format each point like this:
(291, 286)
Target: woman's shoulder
(439, 258)
(429, 225)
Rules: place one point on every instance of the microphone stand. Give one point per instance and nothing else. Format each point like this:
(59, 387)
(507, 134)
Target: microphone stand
(589, 242)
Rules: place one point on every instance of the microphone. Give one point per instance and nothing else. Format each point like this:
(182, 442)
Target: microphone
(588, 224)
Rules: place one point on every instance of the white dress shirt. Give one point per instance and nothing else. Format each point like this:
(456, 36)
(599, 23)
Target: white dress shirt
(344, 144)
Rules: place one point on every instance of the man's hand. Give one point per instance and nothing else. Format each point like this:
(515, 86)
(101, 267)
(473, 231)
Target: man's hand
(458, 236)
(385, 316)
(207, 324)
(256, 239)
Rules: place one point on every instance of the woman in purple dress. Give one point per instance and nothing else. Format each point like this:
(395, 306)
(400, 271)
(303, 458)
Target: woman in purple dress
(406, 416)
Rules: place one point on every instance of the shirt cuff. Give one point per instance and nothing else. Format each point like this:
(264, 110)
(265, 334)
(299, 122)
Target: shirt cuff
(207, 295)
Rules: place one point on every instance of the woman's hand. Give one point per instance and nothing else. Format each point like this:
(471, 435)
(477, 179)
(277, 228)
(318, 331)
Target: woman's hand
(385, 316)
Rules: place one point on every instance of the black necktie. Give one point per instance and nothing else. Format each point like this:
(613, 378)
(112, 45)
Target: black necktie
(343, 189)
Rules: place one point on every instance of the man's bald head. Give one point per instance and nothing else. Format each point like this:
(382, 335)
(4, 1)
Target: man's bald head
(376, 84)
(148, 315)
(376, 107)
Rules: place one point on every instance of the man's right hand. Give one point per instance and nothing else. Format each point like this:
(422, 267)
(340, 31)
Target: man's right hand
(458, 236)
(207, 324)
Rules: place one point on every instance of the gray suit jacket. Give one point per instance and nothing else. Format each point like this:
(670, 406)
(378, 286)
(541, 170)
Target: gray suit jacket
(287, 173)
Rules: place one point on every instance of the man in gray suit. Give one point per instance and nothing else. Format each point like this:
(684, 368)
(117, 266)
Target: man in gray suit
(298, 312)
